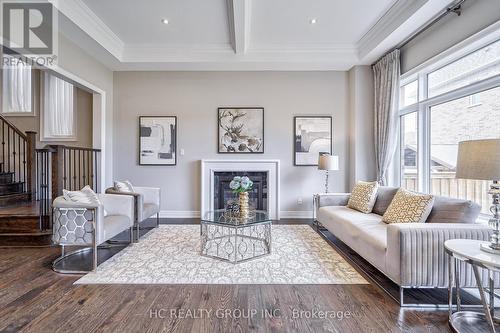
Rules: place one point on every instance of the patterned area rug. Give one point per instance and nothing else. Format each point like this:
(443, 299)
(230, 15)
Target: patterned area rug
(170, 255)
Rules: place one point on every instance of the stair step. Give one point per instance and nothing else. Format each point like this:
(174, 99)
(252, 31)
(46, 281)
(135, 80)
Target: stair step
(11, 188)
(43, 238)
(6, 177)
(16, 198)
(19, 224)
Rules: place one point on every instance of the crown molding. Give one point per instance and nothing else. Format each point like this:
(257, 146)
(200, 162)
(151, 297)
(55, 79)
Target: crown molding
(402, 19)
(91, 24)
(401, 11)
(281, 57)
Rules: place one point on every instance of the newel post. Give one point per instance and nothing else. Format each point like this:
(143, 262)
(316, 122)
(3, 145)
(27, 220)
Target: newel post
(57, 171)
(31, 163)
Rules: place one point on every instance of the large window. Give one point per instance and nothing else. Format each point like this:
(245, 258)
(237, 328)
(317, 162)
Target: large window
(57, 121)
(441, 106)
(16, 88)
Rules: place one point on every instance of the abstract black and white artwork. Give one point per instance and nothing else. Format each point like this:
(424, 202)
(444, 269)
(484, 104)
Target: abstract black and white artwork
(157, 140)
(241, 130)
(313, 135)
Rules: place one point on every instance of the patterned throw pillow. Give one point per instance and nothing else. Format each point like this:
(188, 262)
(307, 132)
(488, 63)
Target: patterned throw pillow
(408, 207)
(363, 196)
(124, 186)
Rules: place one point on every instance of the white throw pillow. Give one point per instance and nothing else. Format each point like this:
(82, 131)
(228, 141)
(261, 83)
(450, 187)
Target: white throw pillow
(124, 186)
(86, 196)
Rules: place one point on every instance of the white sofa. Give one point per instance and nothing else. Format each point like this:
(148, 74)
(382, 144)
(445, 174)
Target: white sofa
(410, 254)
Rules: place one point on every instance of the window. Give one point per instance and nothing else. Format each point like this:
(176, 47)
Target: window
(450, 123)
(409, 94)
(460, 101)
(16, 86)
(474, 67)
(409, 145)
(57, 121)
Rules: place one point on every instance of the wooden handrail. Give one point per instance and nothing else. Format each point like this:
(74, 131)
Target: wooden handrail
(14, 128)
(55, 147)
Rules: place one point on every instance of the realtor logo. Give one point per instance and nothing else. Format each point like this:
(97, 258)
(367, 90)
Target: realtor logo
(29, 30)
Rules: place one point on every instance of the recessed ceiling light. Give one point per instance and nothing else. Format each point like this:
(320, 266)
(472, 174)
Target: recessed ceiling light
(312, 21)
(164, 21)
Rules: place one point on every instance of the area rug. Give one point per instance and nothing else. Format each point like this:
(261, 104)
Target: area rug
(170, 255)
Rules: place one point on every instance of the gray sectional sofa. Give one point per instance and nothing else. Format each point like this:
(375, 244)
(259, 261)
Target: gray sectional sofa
(410, 254)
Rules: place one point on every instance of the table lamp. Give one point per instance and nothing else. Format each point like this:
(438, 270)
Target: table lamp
(480, 159)
(328, 162)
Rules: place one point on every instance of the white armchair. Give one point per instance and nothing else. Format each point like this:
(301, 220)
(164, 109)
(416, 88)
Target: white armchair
(146, 204)
(79, 224)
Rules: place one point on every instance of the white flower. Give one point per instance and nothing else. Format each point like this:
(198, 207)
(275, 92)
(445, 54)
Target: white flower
(246, 183)
(234, 185)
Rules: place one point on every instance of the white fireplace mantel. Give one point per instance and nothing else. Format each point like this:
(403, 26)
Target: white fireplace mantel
(272, 167)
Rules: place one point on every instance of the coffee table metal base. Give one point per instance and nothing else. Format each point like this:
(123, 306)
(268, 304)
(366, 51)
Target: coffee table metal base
(235, 244)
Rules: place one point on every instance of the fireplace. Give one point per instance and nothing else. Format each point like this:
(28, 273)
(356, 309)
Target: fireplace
(223, 194)
(268, 190)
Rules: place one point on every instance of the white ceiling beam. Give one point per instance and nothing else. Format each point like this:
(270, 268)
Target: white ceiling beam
(239, 24)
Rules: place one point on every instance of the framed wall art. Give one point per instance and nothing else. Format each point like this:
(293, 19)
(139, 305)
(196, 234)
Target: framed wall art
(312, 136)
(157, 140)
(241, 130)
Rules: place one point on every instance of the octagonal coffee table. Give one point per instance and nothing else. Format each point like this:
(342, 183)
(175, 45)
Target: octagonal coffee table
(234, 239)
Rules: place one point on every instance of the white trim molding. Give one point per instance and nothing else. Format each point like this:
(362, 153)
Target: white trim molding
(180, 214)
(272, 167)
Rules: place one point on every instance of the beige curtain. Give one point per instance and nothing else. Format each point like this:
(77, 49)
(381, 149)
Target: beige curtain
(386, 74)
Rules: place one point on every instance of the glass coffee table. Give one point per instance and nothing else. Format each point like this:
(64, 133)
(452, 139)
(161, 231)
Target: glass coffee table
(234, 239)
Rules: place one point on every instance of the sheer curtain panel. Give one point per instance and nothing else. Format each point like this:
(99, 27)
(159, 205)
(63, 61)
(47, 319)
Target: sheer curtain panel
(16, 88)
(58, 115)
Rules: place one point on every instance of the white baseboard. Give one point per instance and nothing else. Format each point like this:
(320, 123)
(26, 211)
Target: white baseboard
(180, 214)
(296, 214)
(184, 214)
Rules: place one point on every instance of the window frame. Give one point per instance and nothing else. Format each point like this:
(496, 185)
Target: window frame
(424, 103)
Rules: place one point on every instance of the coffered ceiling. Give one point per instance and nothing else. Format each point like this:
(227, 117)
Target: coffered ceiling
(242, 34)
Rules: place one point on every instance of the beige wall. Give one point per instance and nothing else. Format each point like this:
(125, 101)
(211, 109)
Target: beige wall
(194, 98)
(75, 60)
(361, 147)
(476, 15)
(83, 113)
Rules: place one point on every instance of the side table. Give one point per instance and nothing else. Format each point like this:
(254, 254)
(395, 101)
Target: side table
(469, 251)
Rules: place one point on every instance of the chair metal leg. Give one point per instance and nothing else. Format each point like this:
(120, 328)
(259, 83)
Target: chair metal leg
(157, 219)
(131, 233)
(138, 233)
(94, 253)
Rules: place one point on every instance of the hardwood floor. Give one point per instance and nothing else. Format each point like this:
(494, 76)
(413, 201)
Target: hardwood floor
(35, 299)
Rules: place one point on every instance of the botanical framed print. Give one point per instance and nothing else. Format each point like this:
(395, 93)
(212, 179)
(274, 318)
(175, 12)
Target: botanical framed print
(241, 130)
(312, 136)
(157, 140)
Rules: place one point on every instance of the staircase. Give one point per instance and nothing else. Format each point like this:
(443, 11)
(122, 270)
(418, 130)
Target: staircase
(21, 222)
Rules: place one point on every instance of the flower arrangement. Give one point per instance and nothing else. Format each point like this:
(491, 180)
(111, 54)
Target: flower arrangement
(240, 184)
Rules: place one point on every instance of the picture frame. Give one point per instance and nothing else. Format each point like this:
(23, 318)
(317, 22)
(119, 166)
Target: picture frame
(313, 135)
(158, 140)
(240, 130)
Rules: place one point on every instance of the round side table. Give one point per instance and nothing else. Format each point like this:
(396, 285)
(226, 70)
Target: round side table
(469, 251)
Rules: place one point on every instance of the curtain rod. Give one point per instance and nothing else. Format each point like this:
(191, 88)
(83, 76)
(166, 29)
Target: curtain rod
(454, 8)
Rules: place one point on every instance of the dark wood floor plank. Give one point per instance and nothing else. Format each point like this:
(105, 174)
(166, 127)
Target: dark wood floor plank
(35, 299)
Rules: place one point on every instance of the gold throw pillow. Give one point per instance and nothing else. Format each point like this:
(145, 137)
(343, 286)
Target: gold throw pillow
(363, 196)
(408, 207)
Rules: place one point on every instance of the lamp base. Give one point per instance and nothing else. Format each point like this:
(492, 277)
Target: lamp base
(487, 248)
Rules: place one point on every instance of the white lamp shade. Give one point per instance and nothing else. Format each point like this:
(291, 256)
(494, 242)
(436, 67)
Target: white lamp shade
(479, 159)
(328, 162)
